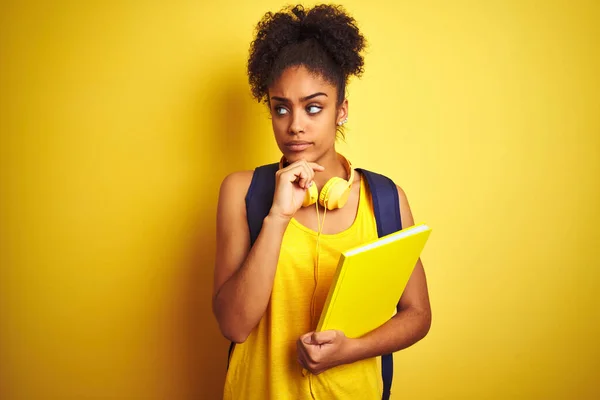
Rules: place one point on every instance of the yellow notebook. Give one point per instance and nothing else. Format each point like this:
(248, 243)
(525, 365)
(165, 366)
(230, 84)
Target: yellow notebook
(369, 281)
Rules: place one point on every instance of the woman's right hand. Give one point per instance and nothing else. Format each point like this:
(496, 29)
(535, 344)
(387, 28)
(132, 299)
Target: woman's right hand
(291, 184)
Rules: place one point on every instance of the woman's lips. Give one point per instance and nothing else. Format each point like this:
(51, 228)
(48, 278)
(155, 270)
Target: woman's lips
(297, 146)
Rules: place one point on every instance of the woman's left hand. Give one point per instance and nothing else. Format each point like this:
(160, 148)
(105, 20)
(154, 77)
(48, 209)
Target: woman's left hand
(320, 351)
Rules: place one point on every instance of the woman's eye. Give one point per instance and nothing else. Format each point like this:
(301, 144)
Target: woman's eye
(313, 109)
(280, 111)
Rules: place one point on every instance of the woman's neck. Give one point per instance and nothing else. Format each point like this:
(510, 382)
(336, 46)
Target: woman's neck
(333, 167)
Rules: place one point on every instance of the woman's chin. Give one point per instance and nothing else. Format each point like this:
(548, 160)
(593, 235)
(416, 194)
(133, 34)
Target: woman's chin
(293, 156)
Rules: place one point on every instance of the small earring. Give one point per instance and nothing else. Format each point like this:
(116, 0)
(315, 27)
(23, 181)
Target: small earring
(343, 122)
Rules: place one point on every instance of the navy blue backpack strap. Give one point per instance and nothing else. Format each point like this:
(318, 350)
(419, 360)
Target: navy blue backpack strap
(259, 199)
(386, 203)
(386, 207)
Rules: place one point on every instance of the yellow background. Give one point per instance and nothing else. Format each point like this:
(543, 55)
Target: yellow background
(119, 120)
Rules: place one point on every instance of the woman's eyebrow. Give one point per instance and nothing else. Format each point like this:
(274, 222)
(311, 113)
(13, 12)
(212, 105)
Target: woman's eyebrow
(303, 99)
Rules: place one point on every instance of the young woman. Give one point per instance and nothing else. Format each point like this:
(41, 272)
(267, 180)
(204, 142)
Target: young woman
(268, 296)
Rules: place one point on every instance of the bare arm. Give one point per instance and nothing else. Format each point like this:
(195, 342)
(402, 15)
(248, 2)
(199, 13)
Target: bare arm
(243, 278)
(413, 319)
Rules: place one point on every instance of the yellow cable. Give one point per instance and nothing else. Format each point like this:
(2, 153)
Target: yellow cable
(320, 226)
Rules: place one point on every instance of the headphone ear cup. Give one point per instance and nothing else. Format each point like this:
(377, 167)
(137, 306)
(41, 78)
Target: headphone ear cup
(310, 196)
(335, 193)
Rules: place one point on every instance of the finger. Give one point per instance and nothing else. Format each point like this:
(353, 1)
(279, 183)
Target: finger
(307, 360)
(302, 352)
(295, 174)
(316, 167)
(303, 173)
(308, 353)
(292, 167)
(312, 356)
(324, 337)
(310, 175)
(306, 336)
(303, 177)
(302, 355)
(311, 165)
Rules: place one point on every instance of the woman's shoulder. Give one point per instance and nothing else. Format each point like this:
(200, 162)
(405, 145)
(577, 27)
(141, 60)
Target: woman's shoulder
(236, 183)
(239, 177)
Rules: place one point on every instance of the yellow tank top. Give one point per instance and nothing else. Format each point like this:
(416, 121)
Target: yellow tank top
(266, 365)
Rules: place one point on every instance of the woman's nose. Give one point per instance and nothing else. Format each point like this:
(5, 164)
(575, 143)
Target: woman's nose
(296, 124)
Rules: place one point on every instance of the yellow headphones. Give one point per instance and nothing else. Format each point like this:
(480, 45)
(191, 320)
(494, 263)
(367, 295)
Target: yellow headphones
(334, 193)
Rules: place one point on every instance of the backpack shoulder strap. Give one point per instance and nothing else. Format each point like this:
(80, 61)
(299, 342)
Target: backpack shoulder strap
(386, 204)
(260, 198)
(386, 207)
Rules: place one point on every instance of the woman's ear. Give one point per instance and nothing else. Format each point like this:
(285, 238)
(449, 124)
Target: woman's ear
(342, 114)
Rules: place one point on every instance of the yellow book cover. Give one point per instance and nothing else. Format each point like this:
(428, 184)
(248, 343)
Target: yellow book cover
(369, 281)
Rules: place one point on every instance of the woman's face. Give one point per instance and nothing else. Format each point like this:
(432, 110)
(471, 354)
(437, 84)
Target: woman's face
(304, 113)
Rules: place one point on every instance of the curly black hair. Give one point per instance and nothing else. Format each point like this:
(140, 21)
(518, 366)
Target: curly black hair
(324, 39)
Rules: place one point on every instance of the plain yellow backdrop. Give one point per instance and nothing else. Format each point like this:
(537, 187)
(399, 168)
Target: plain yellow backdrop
(120, 119)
